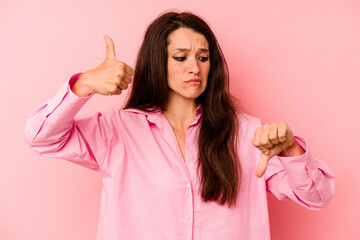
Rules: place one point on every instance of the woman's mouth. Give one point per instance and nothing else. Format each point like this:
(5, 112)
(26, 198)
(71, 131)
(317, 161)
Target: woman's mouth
(194, 81)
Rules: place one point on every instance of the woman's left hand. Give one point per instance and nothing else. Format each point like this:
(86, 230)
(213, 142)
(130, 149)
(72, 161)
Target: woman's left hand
(274, 139)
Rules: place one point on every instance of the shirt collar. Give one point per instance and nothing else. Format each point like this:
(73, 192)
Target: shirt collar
(156, 114)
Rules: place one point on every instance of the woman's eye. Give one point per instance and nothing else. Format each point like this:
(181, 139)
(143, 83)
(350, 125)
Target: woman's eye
(203, 59)
(180, 59)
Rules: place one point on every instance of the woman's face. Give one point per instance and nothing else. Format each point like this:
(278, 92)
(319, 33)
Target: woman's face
(188, 63)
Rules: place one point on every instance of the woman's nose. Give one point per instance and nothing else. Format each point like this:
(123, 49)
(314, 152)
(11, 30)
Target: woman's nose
(194, 66)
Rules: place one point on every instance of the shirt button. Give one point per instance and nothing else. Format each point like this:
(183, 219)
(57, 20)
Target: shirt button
(187, 218)
(188, 185)
(313, 172)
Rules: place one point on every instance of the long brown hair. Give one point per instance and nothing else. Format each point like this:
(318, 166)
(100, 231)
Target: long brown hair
(218, 158)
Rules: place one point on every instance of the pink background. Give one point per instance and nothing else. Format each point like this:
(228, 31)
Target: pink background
(292, 61)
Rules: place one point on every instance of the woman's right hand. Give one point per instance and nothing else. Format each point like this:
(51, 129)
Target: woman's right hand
(110, 77)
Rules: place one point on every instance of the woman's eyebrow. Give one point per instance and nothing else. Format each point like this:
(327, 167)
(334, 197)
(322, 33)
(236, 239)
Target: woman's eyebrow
(188, 50)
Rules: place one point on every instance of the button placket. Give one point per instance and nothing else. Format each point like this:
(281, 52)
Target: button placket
(188, 206)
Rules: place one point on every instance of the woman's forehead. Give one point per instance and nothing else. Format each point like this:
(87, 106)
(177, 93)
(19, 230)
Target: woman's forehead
(184, 39)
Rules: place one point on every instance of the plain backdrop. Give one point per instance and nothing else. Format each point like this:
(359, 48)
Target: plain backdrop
(294, 61)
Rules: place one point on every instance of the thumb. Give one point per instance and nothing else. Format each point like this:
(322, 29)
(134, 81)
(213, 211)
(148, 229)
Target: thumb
(110, 48)
(261, 168)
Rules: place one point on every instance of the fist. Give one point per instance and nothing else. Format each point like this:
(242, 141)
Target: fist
(110, 77)
(272, 139)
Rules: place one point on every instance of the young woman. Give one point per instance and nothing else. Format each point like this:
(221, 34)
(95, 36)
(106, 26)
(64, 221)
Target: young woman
(179, 161)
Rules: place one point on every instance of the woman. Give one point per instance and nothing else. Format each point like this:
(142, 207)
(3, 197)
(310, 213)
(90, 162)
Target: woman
(179, 161)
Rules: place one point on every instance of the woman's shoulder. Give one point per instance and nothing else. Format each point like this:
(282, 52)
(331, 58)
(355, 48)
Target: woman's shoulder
(134, 115)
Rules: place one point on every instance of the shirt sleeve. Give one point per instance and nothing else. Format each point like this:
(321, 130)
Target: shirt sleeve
(304, 179)
(53, 131)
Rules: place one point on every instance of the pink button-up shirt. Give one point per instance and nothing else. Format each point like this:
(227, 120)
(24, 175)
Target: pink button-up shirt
(150, 192)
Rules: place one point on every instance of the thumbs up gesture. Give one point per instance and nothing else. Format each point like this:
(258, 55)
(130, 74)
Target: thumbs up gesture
(274, 139)
(110, 77)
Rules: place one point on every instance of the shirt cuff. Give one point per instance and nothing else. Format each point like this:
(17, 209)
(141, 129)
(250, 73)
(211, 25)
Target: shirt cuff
(299, 168)
(65, 104)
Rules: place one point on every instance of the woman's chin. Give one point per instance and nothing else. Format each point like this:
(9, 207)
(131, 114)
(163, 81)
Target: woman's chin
(189, 94)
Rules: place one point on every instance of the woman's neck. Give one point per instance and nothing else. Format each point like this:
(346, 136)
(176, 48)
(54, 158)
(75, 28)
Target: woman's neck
(180, 111)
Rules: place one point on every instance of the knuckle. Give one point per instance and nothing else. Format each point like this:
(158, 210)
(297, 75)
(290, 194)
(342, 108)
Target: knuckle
(273, 137)
(113, 88)
(282, 139)
(120, 73)
(117, 81)
(119, 91)
(124, 85)
(120, 64)
(282, 134)
(264, 141)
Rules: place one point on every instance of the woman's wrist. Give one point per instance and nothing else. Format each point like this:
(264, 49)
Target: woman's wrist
(293, 151)
(79, 87)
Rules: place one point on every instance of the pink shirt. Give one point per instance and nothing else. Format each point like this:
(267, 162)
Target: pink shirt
(150, 192)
